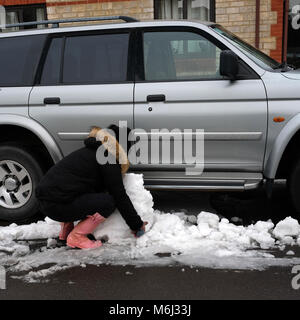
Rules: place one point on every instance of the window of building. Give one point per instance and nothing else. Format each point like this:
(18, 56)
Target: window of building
(170, 56)
(95, 59)
(293, 45)
(28, 13)
(185, 9)
(19, 57)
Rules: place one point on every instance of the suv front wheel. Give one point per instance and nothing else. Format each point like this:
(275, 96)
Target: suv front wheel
(19, 176)
(294, 185)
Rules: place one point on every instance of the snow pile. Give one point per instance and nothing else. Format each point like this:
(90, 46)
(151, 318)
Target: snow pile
(287, 229)
(196, 240)
(115, 227)
(40, 230)
(211, 234)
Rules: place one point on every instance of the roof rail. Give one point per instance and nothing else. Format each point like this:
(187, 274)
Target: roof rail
(55, 23)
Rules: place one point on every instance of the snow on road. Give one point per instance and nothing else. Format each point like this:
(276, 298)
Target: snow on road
(204, 240)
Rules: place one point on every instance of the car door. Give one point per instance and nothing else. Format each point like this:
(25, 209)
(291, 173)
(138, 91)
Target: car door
(19, 58)
(84, 82)
(180, 87)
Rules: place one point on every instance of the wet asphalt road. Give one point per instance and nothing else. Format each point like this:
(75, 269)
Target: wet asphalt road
(113, 282)
(110, 282)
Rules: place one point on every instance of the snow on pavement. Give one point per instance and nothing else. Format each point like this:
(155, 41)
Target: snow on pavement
(204, 240)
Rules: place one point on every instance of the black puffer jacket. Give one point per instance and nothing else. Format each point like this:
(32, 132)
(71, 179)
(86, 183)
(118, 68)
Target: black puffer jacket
(80, 173)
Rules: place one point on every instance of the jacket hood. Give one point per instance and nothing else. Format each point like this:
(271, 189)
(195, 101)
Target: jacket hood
(111, 144)
(92, 143)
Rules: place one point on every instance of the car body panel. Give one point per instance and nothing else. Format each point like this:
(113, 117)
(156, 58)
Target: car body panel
(283, 101)
(82, 106)
(233, 116)
(14, 100)
(293, 74)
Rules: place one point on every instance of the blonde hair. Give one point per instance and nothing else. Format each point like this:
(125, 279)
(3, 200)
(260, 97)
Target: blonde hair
(94, 131)
(112, 146)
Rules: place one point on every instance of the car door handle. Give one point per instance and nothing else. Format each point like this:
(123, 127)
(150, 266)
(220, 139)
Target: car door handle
(52, 100)
(156, 98)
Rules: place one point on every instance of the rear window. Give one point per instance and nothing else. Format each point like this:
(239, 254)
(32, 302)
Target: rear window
(95, 59)
(19, 57)
(51, 71)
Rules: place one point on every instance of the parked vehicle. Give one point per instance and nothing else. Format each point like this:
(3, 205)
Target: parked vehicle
(55, 83)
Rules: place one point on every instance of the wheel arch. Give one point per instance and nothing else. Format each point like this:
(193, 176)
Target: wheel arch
(283, 149)
(32, 127)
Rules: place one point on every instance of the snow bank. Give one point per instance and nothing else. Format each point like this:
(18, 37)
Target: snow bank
(115, 227)
(288, 227)
(196, 240)
(40, 230)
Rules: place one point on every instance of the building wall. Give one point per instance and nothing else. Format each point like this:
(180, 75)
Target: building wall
(239, 16)
(61, 9)
(277, 30)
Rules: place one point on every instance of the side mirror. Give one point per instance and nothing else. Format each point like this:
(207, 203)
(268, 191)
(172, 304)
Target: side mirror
(229, 64)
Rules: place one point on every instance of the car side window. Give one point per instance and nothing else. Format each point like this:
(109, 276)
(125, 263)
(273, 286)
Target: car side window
(98, 58)
(19, 57)
(180, 55)
(51, 70)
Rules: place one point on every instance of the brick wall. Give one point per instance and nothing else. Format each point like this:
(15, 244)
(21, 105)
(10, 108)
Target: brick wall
(277, 29)
(141, 9)
(268, 18)
(239, 16)
(64, 9)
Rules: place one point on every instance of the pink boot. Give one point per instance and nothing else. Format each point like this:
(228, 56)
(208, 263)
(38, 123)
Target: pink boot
(66, 228)
(78, 237)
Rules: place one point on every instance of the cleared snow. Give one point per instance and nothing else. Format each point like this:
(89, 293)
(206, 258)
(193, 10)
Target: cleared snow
(202, 240)
(115, 227)
(289, 227)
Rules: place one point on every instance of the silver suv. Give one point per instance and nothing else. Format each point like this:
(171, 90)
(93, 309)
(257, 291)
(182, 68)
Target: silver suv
(55, 83)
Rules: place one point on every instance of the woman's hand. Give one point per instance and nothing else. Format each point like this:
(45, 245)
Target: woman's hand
(140, 232)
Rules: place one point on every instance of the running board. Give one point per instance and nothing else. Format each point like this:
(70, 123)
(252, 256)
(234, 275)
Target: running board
(209, 181)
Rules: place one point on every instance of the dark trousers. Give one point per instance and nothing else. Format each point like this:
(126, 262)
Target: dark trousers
(80, 208)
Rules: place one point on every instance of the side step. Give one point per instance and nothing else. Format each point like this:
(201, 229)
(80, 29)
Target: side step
(217, 181)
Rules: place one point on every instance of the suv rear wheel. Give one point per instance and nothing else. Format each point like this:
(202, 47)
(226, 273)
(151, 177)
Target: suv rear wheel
(19, 176)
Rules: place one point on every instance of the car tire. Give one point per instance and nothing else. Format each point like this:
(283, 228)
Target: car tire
(19, 175)
(293, 184)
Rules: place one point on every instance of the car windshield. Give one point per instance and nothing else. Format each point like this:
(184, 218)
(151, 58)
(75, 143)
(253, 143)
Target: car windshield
(254, 54)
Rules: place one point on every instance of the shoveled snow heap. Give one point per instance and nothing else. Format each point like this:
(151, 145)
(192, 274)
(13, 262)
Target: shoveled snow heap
(204, 240)
(115, 227)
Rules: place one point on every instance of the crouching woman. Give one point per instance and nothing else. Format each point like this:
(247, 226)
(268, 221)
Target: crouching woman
(79, 188)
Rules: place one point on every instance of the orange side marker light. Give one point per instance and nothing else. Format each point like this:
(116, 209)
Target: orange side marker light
(279, 119)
